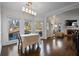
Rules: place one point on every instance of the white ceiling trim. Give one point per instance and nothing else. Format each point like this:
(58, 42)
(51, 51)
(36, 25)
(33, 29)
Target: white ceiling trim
(59, 11)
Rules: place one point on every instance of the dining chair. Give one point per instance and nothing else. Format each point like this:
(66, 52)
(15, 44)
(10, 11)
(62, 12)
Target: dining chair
(19, 41)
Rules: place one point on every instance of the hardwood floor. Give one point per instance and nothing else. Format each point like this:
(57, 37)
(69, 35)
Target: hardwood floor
(49, 47)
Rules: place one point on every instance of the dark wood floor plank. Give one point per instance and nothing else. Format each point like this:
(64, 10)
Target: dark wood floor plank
(49, 47)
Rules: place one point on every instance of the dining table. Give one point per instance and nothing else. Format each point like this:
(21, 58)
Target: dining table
(29, 39)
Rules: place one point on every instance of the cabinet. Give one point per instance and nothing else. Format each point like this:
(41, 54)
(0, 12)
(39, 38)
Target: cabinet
(74, 32)
(76, 40)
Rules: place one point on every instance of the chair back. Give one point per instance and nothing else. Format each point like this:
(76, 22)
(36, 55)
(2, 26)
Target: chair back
(19, 37)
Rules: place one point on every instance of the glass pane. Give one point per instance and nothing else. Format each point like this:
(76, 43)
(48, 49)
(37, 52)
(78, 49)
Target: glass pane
(13, 29)
(39, 27)
(27, 27)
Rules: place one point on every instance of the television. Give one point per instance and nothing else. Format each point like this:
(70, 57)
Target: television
(69, 22)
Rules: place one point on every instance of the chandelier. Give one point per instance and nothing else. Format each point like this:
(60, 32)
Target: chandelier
(28, 9)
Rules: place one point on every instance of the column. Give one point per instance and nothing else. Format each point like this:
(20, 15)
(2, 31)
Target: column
(44, 28)
(0, 28)
(33, 25)
(21, 28)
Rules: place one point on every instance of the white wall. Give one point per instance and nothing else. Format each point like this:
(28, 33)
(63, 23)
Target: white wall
(0, 28)
(69, 15)
(21, 27)
(6, 13)
(44, 28)
(4, 26)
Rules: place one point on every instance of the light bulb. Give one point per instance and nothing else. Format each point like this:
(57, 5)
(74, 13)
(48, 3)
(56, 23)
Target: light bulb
(55, 25)
(35, 13)
(30, 11)
(14, 22)
(23, 8)
(26, 10)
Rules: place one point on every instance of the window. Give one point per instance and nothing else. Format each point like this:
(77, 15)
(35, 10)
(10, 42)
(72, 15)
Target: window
(39, 27)
(27, 27)
(13, 29)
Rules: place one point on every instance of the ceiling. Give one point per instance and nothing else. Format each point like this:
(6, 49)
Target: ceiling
(42, 8)
(72, 12)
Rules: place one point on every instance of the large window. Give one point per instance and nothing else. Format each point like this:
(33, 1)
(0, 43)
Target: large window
(39, 27)
(27, 27)
(13, 29)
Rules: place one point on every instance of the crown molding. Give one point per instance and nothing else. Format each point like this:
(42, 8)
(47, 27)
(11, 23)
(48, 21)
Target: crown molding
(59, 11)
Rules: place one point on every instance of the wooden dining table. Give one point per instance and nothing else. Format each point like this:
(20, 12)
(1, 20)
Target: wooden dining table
(29, 39)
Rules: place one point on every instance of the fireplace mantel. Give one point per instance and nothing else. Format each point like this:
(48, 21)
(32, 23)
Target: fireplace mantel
(72, 28)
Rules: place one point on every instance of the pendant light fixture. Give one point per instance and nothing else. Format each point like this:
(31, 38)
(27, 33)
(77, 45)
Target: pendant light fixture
(28, 9)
